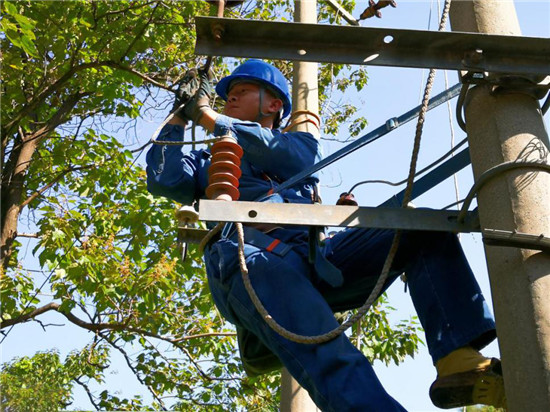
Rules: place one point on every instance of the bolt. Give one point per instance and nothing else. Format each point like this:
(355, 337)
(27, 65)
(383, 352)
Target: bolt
(217, 31)
(473, 57)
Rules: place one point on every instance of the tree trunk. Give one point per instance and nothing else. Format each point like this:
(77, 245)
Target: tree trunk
(13, 187)
(12, 196)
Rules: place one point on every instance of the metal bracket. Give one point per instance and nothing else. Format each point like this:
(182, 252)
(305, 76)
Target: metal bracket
(188, 216)
(336, 216)
(472, 52)
(191, 234)
(495, 237)
(536, 86)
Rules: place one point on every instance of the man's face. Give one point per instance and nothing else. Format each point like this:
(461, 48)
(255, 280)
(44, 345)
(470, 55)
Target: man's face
(243, 102)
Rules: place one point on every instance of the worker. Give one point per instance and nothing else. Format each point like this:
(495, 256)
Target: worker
(303, 296)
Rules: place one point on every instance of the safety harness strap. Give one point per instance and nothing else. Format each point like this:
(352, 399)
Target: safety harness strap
(324, 269)
(259, 239)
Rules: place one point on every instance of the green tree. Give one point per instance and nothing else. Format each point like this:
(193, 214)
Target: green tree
(77, 76)
(44, 383)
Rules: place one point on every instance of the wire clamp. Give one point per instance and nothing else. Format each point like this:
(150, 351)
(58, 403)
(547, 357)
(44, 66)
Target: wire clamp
(536, 86)
(392, 123)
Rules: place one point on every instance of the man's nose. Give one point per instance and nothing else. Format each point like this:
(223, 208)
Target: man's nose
(231, 98)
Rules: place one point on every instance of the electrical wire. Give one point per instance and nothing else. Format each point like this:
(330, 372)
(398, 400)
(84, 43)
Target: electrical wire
(460, 106)
(452, 130)
(428, 167)
(545, 105)
(453, 204)
(492, 173)
(158, 130)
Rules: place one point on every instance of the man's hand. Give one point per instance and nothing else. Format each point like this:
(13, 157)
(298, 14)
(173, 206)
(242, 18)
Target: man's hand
(194, 94)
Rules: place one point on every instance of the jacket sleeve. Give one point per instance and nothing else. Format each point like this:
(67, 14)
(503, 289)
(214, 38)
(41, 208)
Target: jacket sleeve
(173, 174)
(276, 153)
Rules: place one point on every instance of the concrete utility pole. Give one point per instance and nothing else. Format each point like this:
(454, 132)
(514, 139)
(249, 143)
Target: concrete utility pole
(305, 89)
(304, 97)
(509, 127)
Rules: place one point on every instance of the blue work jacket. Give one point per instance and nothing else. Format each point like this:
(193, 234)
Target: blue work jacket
(270, 157)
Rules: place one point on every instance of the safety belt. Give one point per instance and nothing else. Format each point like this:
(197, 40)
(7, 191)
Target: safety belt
(326, 270)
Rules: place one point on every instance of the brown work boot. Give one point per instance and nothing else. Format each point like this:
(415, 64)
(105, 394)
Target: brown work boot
(481, 386)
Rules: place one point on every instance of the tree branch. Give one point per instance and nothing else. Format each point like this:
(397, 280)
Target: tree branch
(135, 371)
(88, 392)
(136, 38)
(194, 362)
(55, 86)
(30, 235)
(48, 91)
(58, 118)
(113, 64)
(12, 194)
(98, 327)
(203, 335)
(53, 182)
(30, 315)
(112, 13)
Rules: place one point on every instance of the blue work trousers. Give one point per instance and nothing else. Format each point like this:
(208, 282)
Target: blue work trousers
(338, 377)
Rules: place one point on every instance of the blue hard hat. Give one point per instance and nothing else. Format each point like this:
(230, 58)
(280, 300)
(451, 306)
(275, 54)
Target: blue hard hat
(259, 71)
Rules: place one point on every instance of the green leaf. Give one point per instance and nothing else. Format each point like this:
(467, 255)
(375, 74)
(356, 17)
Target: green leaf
(58, 234)
(14, 37)
(60, 273)
(10, 8)
(25, 23)
(28, 46)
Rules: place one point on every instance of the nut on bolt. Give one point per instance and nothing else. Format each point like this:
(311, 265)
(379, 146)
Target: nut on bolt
(217, 31)
(472, 57)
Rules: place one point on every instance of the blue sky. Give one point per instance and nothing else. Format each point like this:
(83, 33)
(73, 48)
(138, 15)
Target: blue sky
(389, 93)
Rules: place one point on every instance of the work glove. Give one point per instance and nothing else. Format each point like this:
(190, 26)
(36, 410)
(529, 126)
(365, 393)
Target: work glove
(194, 93)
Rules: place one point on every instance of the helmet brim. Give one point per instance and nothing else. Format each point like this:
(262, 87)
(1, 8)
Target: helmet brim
(224, 85)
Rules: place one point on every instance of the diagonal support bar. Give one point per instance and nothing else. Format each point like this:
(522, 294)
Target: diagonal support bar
(335, 216)
(433, 178)
(373, 46)
(370, 137)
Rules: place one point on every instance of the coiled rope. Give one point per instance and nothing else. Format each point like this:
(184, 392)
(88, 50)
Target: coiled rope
(303, 116)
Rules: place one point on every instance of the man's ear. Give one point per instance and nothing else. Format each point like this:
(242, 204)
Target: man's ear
(275, 105)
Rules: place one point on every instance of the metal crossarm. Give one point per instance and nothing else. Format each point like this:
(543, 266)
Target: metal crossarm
(373, 46)
(336, 216)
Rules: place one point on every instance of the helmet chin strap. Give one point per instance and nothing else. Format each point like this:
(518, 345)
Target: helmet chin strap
(262, 115)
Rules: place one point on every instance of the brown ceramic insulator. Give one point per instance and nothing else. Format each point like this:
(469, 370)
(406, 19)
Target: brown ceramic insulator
(222, 191)
(227, 144)
(224, 171)
(224, 167)
(226, 156)
(223, 177)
